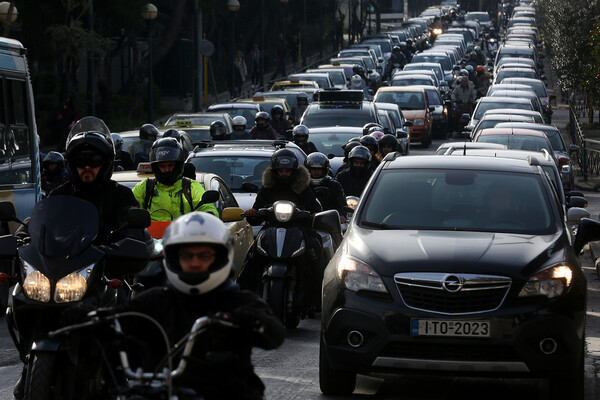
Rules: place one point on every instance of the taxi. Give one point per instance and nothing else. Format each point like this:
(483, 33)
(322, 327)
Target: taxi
(229, 210)
(267, 104)
(197, 125)
(294, 83)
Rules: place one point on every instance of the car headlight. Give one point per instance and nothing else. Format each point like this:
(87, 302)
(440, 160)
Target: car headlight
(551, 282)
(356, 275)
(73, 286)
(283, 210)
(36, 285)
(419, 122)
(157, 249)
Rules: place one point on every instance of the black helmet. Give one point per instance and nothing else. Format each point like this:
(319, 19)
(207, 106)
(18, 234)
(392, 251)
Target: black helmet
(283, 159)
(396, 48)
(370, 142)
(89, 143)
(262, 115)
(317, 160)
(276, 109)
(218, 130)
(53, 157)
(167, 149)
(369, 125)
(148, 130)
(348, 148)
(174, 133)
(300, 131)
(360, 153)
(389, 140)
(357, 69)
(302, 95)
(117, 141)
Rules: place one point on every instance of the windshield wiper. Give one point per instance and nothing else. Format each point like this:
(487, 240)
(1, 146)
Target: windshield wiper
(379, 225)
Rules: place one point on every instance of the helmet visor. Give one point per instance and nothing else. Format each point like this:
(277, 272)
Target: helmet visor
(164, 153)
(91, 124)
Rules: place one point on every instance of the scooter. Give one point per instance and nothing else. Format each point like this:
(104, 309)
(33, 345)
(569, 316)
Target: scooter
(59, 266)
(283, 266)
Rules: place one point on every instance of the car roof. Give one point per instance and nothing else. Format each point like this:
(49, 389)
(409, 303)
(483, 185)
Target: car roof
(471, 145)
(224, 106)
(490, 99)
(337, 129)
(528, 125)
(401, 89)
(511, 131)
(543, 157)
(465, 163)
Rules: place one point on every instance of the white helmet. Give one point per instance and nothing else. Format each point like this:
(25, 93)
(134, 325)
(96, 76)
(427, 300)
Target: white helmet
(239, 121)
(198, 228)
(356, 81)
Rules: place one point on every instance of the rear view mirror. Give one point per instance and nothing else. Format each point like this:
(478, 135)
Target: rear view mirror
(210, 196)
(466, 116)
(401, 134)
(576, 201)
(408, 123)
(231, 214)
(7, 211)
(138, 218)
(249, 187)
(573, 148)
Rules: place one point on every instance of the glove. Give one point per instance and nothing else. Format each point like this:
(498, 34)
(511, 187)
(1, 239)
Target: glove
(248, 319)
(250, 212)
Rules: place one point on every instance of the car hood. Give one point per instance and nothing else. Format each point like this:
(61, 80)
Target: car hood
(451, 251)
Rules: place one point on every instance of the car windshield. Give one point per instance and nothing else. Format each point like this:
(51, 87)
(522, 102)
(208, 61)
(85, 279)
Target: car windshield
(466, 200)
(245, 112)
(412, 67)
(331, 143)
(334, 115)
(433, 98)
(518, 142)
(233, 170)
(404, 100)
(384, 44)
(482, 107)
(444, 61)
(198, 134)
(195, 119)
(510, 73)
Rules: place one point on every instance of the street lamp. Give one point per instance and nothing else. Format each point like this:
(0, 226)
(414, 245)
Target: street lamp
(233, 6)
(149, 12)
(8, 15)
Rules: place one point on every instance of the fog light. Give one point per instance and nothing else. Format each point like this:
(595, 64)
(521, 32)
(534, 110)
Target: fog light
(548, 346)
(355, 339)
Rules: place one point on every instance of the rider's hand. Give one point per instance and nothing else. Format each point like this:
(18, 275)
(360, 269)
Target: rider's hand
(248, 318)
(250, 212)
(342, 219)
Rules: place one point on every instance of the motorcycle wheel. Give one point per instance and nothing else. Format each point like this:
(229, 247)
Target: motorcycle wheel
(41, 377)
(276, 299)
(292, 320)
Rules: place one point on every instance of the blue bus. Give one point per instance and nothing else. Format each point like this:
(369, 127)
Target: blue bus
(20, 180)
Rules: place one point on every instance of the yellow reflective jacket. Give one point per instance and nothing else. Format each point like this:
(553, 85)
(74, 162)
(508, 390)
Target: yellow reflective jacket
(172, 199)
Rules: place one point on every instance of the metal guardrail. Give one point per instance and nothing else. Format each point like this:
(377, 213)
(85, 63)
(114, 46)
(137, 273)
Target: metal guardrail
(588, 157)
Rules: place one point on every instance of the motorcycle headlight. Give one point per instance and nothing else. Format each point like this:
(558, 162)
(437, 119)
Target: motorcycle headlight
(356, 275)
(35, 285)
(157, 249)
(437, 31)
(352, 202)
(283, 210)
(73, 286)
(419, 122)
(551, 282)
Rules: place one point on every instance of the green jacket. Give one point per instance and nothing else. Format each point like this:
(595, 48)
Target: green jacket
(171, 198)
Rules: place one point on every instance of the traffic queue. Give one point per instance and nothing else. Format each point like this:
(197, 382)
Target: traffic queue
(302, 202)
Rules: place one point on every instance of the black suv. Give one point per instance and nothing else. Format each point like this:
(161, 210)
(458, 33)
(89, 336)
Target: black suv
(470, 271)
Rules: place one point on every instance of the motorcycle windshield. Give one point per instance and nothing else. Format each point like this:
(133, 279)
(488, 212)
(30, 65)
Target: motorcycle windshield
(63, 226)
(90, 124)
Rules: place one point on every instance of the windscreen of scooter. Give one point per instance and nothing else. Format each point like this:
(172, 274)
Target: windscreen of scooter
(63, 226)
(90, 124)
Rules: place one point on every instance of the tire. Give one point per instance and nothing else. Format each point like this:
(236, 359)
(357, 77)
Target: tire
(569, 386)
(333, 381)
(41, 377)
(276, 298)
(292, 320)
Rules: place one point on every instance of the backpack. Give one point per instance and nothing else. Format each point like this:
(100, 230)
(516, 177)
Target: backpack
(186, 188)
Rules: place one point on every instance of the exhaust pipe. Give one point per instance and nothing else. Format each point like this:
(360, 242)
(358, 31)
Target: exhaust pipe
(548, 346)
(355, 339)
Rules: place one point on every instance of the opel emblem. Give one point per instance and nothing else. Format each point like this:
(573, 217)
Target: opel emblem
(452, 283)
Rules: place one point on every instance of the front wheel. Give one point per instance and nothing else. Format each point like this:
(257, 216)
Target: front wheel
(333, 381)
(41, 380)
(276, 298)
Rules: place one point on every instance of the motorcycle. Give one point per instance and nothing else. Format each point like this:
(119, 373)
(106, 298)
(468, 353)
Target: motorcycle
(280, 263)
(153, 275)
(59, 266)
(126, 383)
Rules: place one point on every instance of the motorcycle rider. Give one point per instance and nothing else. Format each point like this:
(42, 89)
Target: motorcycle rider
(280, 123)
(301, 105)
(54, 172)
(397, 58)
(371, 143)
(218, 131)
(90, 156)
(123, 161)
(169, 190)
(300, 134)
(355, 178)
(189, 169)
(480, 56)
(352, 143)
(358, 83)
(140, 149)
(317, 165)
(240, 132)
(484, 79)
(387, 144)
(404, 50)
(198, 261)
(463, 99)
(411, 47)
(262, 129)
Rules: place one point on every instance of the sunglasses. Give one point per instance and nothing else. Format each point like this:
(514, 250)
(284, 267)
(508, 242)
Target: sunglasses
(88, 160)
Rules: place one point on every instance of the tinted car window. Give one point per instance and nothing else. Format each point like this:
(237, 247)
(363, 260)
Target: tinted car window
(404, 100)
(334, 115)
(459, 200)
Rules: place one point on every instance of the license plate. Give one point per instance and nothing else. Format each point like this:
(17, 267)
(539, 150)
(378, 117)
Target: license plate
(440, 327)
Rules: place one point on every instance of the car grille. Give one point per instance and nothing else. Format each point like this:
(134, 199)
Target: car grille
(446, 351)
(452, 293)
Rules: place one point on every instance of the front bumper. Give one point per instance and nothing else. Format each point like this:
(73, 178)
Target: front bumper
(419, 134)
(512, 350)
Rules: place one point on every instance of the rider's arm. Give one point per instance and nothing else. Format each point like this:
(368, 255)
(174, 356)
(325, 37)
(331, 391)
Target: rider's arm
(266, 331)
(139, 192)
(197, 192)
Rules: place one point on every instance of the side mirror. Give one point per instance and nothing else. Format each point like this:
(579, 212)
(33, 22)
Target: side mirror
(543, 77)
(466, 117)
(573, 148)
(329, 221)
(466, 135)
(138, 218)
(331, 156)
(431, 109)
(371, 92)
(7, 211)
(574, 193)
(587, 231)
(401, 134)
(408, 123)
(210, 196)
(232, 214)
(576, 201)
(443, 83)
(249, 187)
(575, 214)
